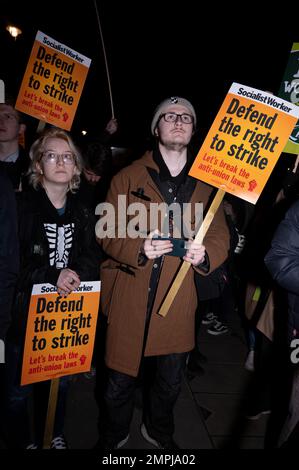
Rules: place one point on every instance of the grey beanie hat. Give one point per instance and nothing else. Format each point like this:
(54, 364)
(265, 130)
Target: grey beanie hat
(162, 108)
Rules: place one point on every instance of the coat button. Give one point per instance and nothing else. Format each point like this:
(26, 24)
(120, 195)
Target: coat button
(155, 265)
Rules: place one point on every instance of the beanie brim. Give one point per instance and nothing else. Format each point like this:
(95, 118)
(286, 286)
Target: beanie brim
(164, 106)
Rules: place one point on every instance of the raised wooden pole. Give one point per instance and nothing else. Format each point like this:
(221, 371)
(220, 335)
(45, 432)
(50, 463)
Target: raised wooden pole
(40, 127)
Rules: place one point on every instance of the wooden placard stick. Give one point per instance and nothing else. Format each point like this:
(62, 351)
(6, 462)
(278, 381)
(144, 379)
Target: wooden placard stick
(296, 164)
(105, 59)
(185, 265)
(52, 403)
(41, 126)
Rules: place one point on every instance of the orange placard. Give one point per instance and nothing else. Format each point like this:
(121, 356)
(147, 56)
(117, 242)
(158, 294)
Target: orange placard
(53, 82)
(245, 141)
(60, 332)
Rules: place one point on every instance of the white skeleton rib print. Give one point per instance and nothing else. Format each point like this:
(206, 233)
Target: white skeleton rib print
(60, 240)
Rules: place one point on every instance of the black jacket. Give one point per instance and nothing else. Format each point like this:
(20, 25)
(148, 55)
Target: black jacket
(282, 260)
(17, 171)
(35, 209)
(9, 250)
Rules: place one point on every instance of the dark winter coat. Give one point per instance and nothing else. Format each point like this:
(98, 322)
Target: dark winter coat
(9, 250)
(282, 260)
(17, 170)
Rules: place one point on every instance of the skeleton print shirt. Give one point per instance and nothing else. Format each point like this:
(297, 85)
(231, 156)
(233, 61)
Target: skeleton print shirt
(60, 239)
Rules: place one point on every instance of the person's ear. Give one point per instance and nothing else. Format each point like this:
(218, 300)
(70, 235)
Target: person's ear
(156, 132)
(39, 168)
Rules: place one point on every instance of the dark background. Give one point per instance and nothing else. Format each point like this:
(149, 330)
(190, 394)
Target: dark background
(155, 50)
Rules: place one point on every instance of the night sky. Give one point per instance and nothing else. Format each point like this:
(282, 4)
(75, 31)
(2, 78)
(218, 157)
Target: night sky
(155, 49)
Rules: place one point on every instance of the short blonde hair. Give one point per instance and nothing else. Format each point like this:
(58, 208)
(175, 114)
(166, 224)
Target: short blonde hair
(36, 152)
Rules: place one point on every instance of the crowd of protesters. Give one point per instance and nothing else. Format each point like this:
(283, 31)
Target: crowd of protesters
(50, 235)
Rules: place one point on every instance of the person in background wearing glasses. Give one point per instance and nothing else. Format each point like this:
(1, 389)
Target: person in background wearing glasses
(137, 275)
(13, 158)
(57, 246)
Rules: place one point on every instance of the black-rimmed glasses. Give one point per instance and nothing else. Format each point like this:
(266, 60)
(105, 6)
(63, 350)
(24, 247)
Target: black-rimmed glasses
(174, 117)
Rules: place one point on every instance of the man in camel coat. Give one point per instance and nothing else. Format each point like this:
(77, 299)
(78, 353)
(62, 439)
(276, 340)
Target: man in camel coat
(140, 269)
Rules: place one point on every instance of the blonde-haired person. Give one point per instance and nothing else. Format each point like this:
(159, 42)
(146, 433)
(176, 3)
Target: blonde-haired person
(58, 246)
(42, 145)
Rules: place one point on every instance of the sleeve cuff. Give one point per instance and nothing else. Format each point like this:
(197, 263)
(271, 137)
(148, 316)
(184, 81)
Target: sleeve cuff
(205, 265)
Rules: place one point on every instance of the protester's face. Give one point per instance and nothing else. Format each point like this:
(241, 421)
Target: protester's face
(91, 177)
(57, 164)
(10, 127)
(175, 134)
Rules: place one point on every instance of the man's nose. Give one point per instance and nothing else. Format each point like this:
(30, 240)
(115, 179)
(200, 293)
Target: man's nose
(178, 119)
